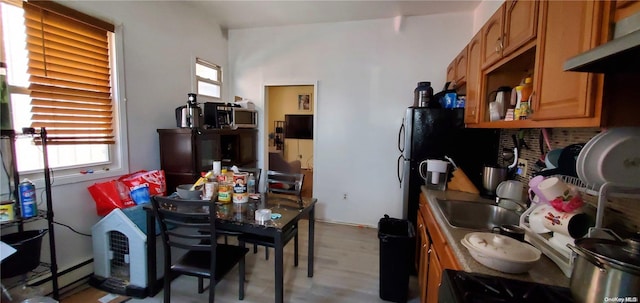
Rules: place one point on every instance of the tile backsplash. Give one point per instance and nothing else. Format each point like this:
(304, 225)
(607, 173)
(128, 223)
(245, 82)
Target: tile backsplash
(620, 212)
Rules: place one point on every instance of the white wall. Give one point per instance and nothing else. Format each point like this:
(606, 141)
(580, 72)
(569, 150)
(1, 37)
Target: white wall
(160, 39)
(483, 12)
(366, 73)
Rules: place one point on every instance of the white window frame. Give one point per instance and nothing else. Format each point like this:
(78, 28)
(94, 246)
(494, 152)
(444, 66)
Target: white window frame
(118, 163)
(195, 79)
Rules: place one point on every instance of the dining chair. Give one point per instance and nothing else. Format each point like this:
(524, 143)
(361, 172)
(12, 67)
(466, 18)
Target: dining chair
(204, 258)
(287, 184)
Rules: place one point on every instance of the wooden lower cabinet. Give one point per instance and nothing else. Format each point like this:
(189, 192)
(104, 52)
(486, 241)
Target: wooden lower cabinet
(434, 277)
(434, 253)
(424, 247)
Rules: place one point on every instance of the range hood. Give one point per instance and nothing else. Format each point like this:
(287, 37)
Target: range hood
(620, 55)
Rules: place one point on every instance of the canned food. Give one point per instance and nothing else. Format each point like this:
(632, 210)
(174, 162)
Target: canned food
(240, 183)
(224, 193)
(7, 212)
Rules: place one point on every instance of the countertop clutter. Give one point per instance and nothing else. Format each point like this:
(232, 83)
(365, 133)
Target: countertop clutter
(544, 271)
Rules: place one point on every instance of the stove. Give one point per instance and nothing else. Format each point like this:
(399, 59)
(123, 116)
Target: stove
(464, 287)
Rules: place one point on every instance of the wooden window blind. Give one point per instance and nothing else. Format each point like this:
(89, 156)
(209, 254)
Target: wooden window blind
(69, 74)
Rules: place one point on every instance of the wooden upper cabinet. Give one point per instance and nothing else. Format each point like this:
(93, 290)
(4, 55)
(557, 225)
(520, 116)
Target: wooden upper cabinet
(451, 71)
(520, 25)
(461, 67)
(511, 26)
(567, 28)
(492, 38)
(457, 69)
(471, 107)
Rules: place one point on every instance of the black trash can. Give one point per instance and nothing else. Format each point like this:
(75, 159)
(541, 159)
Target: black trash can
(396, 243)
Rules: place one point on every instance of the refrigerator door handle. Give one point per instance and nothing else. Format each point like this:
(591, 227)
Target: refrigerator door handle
(400, 137)
(400, 169)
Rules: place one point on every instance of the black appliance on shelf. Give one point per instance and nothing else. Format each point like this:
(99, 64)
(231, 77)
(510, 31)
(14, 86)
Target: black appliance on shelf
(218, 115)
(432, 133)
(463, 287)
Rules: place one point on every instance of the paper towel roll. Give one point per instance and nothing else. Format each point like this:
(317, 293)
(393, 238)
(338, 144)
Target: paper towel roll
(217, 167)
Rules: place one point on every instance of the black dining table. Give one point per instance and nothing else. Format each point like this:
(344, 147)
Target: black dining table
(240, 217)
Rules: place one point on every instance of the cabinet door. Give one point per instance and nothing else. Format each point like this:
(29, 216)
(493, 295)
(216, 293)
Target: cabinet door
(520, 24)
(461, 67)
(451, 71)
(207, 151)
(471, 107)
(435, 275)
(247, 152)
(423, 252)
(566, 29)
(177, 157)
(626, 8)
(492, 38)
(176, 151)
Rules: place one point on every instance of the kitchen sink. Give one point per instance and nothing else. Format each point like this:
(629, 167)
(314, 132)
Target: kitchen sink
(476, 215)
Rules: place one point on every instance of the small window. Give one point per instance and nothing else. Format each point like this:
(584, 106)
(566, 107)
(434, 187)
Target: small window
(208, 79)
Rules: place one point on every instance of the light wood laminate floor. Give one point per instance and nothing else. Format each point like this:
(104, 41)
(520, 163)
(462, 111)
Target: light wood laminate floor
(346, 270)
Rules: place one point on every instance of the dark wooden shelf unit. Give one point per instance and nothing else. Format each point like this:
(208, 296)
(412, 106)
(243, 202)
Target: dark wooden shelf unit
(186, 153)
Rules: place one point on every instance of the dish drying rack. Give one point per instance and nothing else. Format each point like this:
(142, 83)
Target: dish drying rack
(541, 241)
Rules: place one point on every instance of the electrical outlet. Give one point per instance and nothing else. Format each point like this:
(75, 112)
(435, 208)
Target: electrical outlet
(344, 197)
(522, 167)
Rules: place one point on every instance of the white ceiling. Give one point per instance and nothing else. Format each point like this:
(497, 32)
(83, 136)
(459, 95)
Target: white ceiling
(239, 14)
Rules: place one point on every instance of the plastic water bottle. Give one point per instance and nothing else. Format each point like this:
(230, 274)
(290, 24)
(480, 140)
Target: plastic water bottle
(251, 184)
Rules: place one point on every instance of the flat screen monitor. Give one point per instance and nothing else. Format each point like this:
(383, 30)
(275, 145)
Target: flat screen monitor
(298, 126)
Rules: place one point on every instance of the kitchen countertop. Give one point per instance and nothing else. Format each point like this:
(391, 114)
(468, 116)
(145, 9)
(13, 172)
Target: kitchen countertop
(545, 271)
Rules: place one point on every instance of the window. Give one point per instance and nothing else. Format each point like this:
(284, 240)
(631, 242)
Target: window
(208, 79)
(61, 75)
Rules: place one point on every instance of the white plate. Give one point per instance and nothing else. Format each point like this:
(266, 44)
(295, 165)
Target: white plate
(614, 157)
(580, 160)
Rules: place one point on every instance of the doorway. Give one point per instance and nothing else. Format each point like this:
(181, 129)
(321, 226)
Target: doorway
(290, 129)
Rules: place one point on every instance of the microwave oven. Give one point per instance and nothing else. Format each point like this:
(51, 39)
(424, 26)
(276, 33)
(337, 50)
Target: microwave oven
(229, 115)
(244, 118)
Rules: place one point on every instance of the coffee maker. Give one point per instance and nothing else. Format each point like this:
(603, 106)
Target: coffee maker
(189, 115)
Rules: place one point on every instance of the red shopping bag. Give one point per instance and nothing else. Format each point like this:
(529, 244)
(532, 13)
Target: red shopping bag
(109, 196)
(144, 184)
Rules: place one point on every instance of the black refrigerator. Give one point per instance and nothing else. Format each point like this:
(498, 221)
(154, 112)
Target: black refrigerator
(432, 133)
